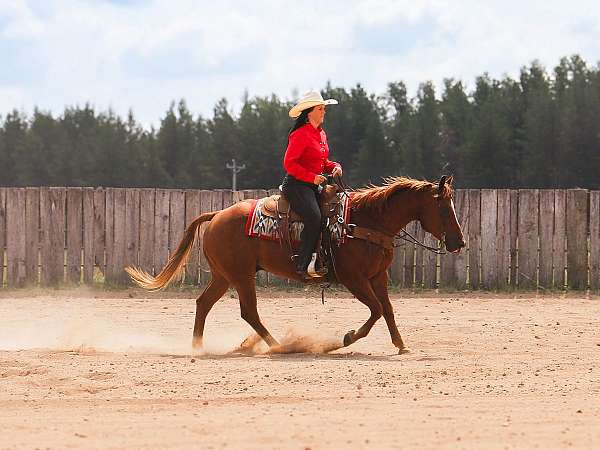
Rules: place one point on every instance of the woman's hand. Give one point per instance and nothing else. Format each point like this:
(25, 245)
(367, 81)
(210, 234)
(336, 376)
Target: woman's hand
(319, 179)
(337, 171)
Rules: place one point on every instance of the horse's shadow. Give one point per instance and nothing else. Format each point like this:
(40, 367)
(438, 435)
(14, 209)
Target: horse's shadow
(290, 357)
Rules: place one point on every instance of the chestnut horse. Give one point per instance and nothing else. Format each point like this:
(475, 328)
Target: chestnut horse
(361, 266)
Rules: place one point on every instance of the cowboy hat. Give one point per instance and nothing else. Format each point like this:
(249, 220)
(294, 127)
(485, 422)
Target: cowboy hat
(308, 100)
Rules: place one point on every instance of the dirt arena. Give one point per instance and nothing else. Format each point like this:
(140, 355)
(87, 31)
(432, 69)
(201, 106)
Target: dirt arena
(84, 369)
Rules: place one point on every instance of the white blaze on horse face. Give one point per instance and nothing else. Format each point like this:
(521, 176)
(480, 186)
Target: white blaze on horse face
(455, 219)
(453, 210)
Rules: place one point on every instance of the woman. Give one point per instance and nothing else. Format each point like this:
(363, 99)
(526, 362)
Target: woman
(306, 158)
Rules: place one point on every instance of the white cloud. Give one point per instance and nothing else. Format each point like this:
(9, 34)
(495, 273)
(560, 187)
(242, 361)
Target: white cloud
(142, 55)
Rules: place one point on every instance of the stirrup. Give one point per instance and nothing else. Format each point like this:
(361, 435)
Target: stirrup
(312, 270)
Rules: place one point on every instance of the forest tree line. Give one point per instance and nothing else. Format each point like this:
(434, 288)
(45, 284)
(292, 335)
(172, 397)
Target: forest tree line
(541, 130)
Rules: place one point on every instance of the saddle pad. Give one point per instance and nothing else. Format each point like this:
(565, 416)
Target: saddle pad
(262, 226)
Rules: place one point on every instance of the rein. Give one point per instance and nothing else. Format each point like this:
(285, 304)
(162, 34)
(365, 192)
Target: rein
(406, 236)
(402, 235)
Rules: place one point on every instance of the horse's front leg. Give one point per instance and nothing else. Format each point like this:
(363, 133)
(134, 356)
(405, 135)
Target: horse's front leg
(379, 285)
(362, 290)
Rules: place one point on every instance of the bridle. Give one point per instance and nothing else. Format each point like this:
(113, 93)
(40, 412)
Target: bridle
(407, 237)
(403, 235)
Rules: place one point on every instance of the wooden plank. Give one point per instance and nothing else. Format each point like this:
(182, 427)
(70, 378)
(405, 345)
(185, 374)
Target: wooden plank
(32, 234)
(146, 254)
(205, 206)
(177, 219)
(2, 233)
(503, 238)
(74, 234)
(595, 240)
(15, 237)
(528, 238)
(52, 221)
(420, 235)
(109, 237)
(88, 235)
(514, 226)
(227, 198)
(249, 194)
(397, 267)
(161, 229)
(409, 258)
(559, 241)
(489, 219)
(261, 276)
(430, 261)
(474, 237)
(216, 200)
(546, 224)
(132, 227)
(119, 276)
(577, 209)
(461, 207)
(192, 210)
(100, 229)
(238, 196)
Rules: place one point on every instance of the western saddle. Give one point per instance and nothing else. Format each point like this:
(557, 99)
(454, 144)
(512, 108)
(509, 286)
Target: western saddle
(278, 207)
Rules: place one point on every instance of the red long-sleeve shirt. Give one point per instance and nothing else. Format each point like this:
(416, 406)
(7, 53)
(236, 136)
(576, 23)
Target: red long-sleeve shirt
(307, 153)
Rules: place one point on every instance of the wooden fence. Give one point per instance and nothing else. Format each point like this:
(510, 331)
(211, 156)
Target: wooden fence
(516, 238)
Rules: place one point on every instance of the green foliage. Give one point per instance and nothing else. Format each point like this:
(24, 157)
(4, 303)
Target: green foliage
(541, 130)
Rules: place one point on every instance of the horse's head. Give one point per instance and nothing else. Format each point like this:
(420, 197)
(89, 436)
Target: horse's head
(438, 217)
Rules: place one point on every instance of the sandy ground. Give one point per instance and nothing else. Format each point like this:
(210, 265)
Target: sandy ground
(493, 372)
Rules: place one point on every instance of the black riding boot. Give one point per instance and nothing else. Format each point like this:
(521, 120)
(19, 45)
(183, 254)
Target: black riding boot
(303, 199)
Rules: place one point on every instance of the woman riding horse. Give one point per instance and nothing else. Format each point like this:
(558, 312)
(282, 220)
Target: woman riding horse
(306, 158)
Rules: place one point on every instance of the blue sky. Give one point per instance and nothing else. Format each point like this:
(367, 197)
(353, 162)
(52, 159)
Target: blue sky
(141, 55)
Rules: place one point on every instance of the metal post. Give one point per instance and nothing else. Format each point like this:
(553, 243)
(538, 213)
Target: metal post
(235, 169)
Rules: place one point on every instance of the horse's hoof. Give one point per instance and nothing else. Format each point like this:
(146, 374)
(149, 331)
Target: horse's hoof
(403, 351)
(197, 343)
(348, 338)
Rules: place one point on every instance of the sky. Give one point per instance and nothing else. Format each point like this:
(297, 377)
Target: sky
(142, 55)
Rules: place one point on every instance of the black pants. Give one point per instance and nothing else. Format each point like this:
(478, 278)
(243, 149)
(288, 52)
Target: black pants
(303, 199)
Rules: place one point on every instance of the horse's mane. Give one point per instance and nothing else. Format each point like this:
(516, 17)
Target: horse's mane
(375, 198)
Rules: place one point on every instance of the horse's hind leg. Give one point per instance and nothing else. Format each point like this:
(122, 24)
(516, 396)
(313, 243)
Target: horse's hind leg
(247, 292)
(211, 294)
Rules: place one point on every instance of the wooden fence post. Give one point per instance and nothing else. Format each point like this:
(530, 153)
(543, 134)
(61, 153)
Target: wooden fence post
(503, 238)
(147, 234)
(74, 234)
(2, 232)
(192, 210)
(89, 237)
(132, 229)
(161, 229)
(15, 237)
(514, 227)
(559, 241)
(528, 238)
(595, 240)
(474, 237)
(489, 221)
(32, 235)
(52, 217)
(546, 222)
(577, 210)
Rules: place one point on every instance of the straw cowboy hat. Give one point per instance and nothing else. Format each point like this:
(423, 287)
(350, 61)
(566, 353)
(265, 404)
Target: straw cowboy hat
(308, 100)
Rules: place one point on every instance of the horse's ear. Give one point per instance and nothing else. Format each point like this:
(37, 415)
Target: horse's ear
(442, 183)
(450, 180)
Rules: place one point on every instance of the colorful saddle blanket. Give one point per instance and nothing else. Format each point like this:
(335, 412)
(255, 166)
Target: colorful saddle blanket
(263, 226)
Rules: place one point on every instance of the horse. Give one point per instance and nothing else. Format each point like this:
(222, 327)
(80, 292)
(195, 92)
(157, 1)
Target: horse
(360, 265)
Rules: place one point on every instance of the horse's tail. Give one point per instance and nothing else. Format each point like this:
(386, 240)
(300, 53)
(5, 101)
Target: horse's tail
(174, 267)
